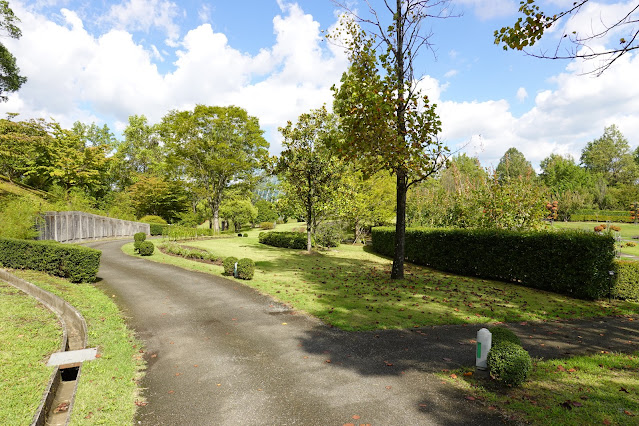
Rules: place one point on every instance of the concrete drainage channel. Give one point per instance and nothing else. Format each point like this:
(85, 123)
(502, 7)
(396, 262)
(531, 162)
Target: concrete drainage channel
(57, 401)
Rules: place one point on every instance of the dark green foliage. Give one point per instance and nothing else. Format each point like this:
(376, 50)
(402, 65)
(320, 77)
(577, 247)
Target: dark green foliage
(157, 229)
(568, 262)
(139, 236)
(509, 363)
(146, 248)
(626, 284)
(328, 234)
(245, 235)
(245, 268)
(187, 252)
(76, 263)
(501, 334)
(292, 240)
(229, 265)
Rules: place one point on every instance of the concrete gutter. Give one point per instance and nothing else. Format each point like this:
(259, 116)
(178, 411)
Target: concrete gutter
(74, 337)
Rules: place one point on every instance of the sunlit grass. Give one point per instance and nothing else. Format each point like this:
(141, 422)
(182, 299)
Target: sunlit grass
(29, 334)
(584, 390)
(350, 287)
(107, 389)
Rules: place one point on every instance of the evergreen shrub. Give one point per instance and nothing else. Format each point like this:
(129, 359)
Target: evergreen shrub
(329, 234)
(292, 240)
(146, 248)
(501, 334)
(245, 268)
(139, 236)
(509, 363)
(73, 262)
(626, 284)
(229, 265)
(157, 229)
(575, 263)
(153, 219)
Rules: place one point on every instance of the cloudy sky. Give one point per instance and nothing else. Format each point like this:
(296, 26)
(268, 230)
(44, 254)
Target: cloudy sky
(104, 60)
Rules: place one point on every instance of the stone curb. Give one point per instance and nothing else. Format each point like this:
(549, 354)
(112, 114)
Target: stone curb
(74, 336)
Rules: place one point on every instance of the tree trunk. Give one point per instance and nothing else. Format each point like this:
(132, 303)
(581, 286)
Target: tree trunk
(216, 220)
(400, 227)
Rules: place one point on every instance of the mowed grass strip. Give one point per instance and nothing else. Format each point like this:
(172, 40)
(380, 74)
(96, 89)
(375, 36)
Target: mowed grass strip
(350, 288)
(600, 389)
(108, 391)
(29, 334)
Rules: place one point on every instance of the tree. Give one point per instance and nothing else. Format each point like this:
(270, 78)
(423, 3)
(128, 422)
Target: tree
(10, 78)
(560, 173)
(610, 155)
(513, 164)
(238, 211)
(153, 195)
(214, 148)
(387, 123)
(19, 142)
(309, 171)
(530, 28)
(265, 211)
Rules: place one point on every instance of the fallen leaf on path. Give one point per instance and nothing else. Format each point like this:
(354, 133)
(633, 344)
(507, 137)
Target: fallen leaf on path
(140, 403)
(468, 373)
(628, 413)
(389, 387)
(356, 417)
(171, 391)
(328, 361)
(470, 398)
(453, 376)
(154, 356)
(423, 405)
(63, 407)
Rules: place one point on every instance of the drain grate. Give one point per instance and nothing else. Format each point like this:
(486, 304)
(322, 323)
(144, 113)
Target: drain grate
(69, 374)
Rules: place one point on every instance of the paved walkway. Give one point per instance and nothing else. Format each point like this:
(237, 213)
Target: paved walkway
(220, 353)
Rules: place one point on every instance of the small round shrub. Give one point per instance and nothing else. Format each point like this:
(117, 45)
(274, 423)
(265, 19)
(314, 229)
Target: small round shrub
(245, 268)
(328, 234)
(139, 236)
(152, 219)
(245, 235)
(229, 265)
(501, 334)
(509, 363)
(146, 248)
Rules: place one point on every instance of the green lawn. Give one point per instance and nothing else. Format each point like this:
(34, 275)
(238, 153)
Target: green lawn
(107, 391)
(628, 230)
(29, 334)
(585, 390)
(350, 287)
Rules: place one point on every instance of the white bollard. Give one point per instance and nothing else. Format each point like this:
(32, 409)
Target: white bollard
(484, 342)
(235, 270)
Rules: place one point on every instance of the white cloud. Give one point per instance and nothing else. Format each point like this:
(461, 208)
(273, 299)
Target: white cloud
(489, 9)
(142, 15)
(204, 14)
(522, 94)
(451, 73)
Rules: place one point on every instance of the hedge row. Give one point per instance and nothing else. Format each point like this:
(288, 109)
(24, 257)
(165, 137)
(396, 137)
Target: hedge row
(571, 262)
(611, 213)
(75, 263)
(600, 218)
(292, 240)
(626, 280)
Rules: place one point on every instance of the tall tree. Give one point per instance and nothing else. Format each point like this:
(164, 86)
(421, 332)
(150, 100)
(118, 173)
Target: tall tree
(610, 155)
(534, 22)
(388, 124)
(309, 171)
(513, 164)
(10, 78)
(214, 147)
(560, 173)
(19, 143)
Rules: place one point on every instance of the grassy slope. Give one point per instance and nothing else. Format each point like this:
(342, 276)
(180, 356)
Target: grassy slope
(350, 288)
(107, 390)
(29, 334)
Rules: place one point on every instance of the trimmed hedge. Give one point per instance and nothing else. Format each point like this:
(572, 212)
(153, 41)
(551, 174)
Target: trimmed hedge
(626, 280)
(501, 334)
(146, 248)
(569, 262)
(245, 269)
(601, 216)
(157, 229)
(139, 236)
(229, 265)
(75, 263)
(509, 363)
(292, 240)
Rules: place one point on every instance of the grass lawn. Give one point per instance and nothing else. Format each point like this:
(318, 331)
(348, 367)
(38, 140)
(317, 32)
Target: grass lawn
(585, 390)
(107, 391)
(350, 288)
(29, 334)
(628, 230)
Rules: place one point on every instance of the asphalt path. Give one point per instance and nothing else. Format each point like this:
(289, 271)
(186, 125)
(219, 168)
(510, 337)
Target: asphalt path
(220, 353)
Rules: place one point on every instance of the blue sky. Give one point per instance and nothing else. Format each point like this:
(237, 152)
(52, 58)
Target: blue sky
(102, 61)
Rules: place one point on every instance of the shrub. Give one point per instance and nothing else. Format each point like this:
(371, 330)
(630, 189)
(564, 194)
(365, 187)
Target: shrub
(626, 284)
(146, 248)
(229, 265)
(509, 363)
(245, 235)
(18, 218)
(153, 219)
(615, 228)
(139, 236)
(328, 234)
(573, 263)
(157, 229)
(267, 225)
(76, 263)
(292, 240)
(630, 244)
(501, 334)
(245, 268)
